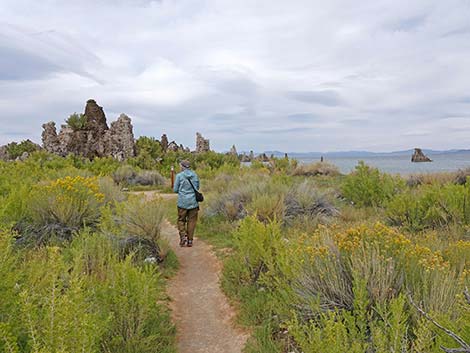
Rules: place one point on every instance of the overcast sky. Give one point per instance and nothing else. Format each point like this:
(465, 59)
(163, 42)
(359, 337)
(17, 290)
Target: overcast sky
(298, 75)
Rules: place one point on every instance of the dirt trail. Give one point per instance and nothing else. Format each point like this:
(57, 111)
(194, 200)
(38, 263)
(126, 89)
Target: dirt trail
(201, 312)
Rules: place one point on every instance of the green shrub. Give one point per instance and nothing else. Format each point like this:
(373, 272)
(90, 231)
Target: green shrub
(104, 166)
(55, 307)
(80, 298)
(15, 207)
(366, 186)
(284, 165)
(16, 150)
(430, 206)
(12, 333)
(149, 145)
(138, 322)
(77, 121)
(260, 245)
(335, 331)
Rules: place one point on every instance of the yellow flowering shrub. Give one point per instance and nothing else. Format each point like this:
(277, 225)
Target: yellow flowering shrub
(458, 254)
(390, 243)
(68, 201)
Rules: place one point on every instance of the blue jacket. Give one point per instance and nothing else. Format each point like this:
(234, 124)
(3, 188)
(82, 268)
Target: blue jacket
(186, 196)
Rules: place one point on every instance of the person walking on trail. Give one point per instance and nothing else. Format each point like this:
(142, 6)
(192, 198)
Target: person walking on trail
(188, 207)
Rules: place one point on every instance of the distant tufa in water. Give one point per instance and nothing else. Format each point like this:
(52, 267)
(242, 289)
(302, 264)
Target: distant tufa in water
(419, 156)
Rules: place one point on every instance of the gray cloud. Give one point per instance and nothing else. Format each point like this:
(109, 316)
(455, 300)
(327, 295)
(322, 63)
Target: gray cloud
(408, 24)
(298, 76)
(328, 98)
(303, 118)
(16, 64)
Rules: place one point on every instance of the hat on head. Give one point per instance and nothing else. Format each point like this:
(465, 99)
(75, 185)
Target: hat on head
(185, 163)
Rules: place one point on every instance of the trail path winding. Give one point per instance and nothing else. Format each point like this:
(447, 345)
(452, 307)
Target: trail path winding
(201, 312)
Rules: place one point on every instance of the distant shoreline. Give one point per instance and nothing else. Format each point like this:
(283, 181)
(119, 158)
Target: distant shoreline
(395, 163)
(364, 154)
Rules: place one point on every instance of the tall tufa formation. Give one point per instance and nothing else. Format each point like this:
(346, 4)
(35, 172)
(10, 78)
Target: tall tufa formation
(96, 119)
(164, 142)
(419, 156)
(95, 139)
(233, 151)
(202, 144)
(120, 139)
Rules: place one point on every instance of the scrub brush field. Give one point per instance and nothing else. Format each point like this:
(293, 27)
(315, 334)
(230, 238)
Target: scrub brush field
(312, 260)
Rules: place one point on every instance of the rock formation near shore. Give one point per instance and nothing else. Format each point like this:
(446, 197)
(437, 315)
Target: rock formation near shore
(419, 156)
(263, 157)
(94, 139)
(244, 158)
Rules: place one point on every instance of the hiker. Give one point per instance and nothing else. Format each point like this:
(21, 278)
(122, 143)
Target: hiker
(188, 207)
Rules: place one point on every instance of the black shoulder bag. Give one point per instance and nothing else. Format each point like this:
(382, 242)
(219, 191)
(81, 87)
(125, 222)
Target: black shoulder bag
(199, 196)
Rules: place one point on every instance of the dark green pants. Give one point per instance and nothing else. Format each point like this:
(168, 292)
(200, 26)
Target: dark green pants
(187, 220)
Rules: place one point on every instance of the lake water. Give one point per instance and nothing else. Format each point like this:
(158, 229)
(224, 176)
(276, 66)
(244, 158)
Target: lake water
(444, 162)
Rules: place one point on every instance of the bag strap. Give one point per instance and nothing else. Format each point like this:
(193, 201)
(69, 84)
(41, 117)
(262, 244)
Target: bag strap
(191, 184)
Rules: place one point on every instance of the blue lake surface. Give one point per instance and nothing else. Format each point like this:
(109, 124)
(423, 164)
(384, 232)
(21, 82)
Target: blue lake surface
(401, 164)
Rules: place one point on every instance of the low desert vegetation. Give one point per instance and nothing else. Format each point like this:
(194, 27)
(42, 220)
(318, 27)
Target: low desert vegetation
(83, 262)
(315, 261)
(365, 262)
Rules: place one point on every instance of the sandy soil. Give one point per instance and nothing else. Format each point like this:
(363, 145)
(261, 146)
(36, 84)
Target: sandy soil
(200, 310)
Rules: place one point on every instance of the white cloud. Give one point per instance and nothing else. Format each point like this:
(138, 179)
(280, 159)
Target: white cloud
(296, 76)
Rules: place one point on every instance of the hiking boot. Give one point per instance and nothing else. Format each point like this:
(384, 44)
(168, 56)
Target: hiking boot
(190, 243)
(183, 241)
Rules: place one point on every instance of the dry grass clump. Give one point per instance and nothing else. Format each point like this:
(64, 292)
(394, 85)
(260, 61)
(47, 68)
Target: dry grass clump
(306, 201)
(272, 201)
(314, 169)
(126, 175)
(461, 176)
(232, 204)
(441, 178)
(111, 192)
(414, 181)
(147, 178)
(430, 178)
(123, 174)
(220, 182)
(325, 278)
(136, 227)
(268, 207)
(142, 218)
